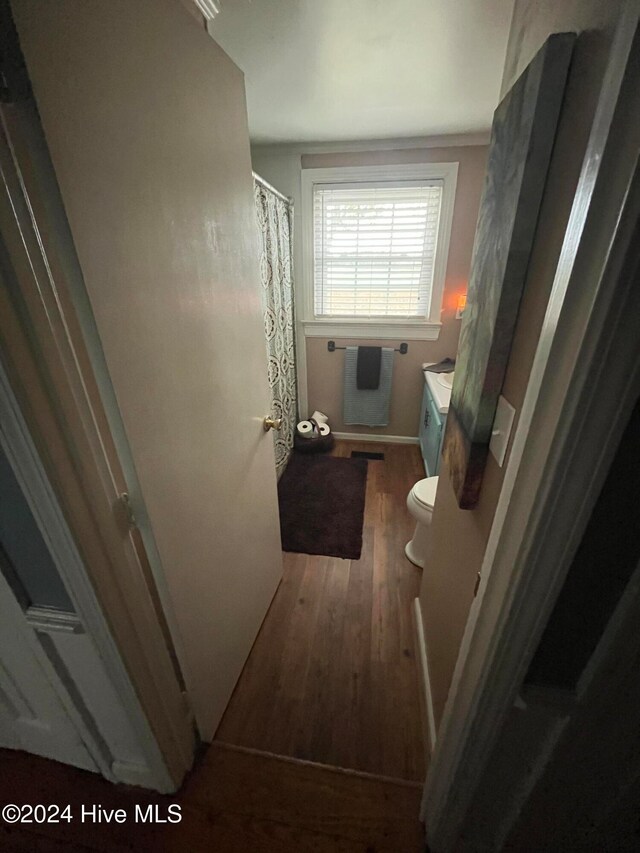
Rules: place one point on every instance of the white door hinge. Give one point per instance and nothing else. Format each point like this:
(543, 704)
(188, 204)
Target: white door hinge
(125, 502)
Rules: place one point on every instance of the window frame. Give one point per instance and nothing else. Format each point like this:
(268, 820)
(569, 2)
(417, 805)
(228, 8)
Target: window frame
(427, 328)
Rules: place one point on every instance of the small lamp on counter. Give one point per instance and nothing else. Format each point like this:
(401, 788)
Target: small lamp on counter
(462, 304)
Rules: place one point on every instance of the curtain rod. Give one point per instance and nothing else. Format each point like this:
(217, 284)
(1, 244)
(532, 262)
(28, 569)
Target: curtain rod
(271, 188)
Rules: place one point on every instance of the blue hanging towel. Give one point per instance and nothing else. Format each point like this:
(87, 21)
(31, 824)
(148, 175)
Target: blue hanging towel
(367, 407)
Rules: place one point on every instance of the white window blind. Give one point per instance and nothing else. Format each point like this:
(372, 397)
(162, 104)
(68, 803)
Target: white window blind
(374, 248)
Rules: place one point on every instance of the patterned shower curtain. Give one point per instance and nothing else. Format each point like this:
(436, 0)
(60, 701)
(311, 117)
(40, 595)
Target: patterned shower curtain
(275, 220)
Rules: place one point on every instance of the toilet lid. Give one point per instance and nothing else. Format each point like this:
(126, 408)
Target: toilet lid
(424, 491)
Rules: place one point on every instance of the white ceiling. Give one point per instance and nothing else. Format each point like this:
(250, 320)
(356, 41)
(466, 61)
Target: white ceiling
(320, 70)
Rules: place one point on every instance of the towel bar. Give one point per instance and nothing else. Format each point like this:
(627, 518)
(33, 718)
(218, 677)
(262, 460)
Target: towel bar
(402, 349)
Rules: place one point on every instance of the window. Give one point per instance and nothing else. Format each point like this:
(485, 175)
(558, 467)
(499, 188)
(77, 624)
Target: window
(375, 245)
(374, 249)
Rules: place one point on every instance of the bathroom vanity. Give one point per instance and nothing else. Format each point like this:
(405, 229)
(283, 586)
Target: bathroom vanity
(433, 417)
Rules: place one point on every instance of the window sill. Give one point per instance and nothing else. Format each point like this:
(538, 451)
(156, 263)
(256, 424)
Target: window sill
(405, 330)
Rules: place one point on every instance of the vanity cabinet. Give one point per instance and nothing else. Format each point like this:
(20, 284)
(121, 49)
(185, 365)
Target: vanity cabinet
(432, 423)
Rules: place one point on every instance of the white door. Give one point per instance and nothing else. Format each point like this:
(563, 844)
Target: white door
(32, 694)
(32, 715)
(145, 120)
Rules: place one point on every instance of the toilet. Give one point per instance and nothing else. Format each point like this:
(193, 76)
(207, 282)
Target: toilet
(420, 502)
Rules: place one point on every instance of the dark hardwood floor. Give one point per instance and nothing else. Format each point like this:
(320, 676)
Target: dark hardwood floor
(332, 677)
(233, 802)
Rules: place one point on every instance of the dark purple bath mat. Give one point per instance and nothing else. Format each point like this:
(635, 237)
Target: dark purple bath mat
(322, 505)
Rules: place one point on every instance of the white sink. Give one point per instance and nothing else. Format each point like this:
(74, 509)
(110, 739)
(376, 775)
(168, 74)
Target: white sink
(446, 379)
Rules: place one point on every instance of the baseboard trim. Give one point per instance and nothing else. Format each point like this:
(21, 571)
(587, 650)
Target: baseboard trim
(378, 439)
(424, 672)
(302, 762)
(130, 773)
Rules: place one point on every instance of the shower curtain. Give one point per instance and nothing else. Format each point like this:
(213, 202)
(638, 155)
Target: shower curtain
(275, 221)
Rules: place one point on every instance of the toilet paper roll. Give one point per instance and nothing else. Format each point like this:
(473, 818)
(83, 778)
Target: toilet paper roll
(305, 429)
(324, 429)
(319, 417)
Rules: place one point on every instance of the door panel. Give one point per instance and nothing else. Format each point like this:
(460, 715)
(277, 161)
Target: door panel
(432, 437)
(146, 123)
(424, 423)
(22, 548)
(32, 716)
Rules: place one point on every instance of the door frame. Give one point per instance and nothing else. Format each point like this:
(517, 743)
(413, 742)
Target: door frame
(87, 618)
(575, 409)
(51, 374)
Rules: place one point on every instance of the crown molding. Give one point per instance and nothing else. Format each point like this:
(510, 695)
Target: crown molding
(446, 141)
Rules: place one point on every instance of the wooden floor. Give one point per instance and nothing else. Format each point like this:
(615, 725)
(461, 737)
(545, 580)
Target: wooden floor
(332, 677)
(233, 802)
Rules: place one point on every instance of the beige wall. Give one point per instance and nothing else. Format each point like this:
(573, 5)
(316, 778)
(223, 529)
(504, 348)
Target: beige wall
(460, 536)
(282, 165)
